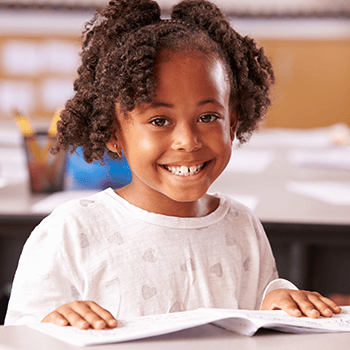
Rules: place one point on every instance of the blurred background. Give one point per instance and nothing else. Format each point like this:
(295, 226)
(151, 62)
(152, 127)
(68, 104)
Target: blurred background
(295, 174)
(307, 40)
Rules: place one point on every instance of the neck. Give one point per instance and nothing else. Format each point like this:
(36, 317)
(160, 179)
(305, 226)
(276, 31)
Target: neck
(161, 204)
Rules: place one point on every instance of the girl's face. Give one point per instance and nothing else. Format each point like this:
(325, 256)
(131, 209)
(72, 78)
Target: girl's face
(180, 143)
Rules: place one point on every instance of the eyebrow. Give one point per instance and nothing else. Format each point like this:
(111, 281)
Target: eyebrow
(156, 104)
(161, 104)
(210, 100)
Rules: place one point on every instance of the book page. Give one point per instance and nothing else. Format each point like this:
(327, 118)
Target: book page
(243, 322)
(131, 329)
(281, 321)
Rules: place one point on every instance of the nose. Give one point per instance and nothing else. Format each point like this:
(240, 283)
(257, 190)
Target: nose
(186, 138)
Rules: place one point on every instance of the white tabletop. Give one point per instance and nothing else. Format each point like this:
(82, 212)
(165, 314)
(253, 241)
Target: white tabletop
(294, 176)
(205, 337)
(286, 176)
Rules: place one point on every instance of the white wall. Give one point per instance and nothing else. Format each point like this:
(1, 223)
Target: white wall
(237, 5)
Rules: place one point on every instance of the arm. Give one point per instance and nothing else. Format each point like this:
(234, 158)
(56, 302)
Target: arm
(282, 294)
(46, 285)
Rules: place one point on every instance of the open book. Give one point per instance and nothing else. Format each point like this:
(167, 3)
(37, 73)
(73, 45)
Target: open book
(239, 321)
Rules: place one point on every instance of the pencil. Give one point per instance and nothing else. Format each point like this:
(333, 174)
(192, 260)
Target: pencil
(52, 132)
(24, 125)
(29, 136)
(53, 127)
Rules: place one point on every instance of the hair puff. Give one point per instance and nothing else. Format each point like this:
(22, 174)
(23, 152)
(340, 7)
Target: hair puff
(119, 51)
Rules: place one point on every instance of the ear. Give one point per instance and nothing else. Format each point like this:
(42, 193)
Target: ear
(113, 143)
(114, 146)
(233, 125)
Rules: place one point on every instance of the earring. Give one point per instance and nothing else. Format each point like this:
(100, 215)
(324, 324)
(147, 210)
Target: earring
(118, 152)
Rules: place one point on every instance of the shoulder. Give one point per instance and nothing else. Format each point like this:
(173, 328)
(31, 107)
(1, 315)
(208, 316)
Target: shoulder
(234, 206)
(79, 215)
(240, 217)
(83, 208)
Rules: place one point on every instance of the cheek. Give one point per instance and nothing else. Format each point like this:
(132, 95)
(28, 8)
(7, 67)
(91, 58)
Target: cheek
(223, 144)
(222, 136)
(141, 147)
(148, 146)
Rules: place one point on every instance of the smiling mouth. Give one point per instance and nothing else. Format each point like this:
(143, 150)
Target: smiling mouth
(184, 170)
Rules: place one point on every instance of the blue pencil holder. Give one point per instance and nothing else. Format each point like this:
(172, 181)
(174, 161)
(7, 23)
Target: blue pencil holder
(81, 175)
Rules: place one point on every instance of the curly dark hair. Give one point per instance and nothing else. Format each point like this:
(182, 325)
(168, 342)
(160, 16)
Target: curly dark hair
(120, 48)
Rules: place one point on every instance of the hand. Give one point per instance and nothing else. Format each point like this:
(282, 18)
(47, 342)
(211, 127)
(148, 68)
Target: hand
(300, 302)
(82, 315)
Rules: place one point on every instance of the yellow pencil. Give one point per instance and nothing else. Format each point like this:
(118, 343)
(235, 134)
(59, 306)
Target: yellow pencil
(52, 132)
(24, 124)
(53, 127)
(29, 136)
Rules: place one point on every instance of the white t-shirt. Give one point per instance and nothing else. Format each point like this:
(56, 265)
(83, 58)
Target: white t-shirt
(134, 263)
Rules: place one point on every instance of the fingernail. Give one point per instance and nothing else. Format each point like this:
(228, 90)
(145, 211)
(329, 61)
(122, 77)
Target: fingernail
(100, 324)
(83, 324)
(315, 313)
(113, 323)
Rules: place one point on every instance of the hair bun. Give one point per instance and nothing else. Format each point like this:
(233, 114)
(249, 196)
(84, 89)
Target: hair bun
(201, 13)
(131, 14)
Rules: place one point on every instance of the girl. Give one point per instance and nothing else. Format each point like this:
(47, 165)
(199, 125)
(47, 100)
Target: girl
(171, 95)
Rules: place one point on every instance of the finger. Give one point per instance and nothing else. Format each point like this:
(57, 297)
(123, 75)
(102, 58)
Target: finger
(289, 306)
(305, 305)
(83, 309)
(55, 318)
(105, 315)
(332, 305)
(320, 305)
(73, 314)
(324, 305)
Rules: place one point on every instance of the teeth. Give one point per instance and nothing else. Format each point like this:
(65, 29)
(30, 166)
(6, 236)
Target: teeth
(184, 170)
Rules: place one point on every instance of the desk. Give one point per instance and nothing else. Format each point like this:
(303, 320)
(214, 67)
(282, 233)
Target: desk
(303, 231)
(206, 337)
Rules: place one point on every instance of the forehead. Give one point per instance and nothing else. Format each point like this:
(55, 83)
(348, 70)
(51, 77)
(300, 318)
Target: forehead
(191, 70)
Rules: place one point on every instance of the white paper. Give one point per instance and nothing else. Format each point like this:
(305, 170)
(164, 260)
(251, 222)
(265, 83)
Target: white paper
(3, 181)
(13, 165)
(29, 57)
(51, 202)
(331, 192)
(301, 138)
(21, 57)
(10, 136)
(335, 158)
(16, 94)
(55, 92)
(61, 56)
(250, 161)
(243, 322)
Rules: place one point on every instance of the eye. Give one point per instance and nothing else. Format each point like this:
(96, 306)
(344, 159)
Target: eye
(208, 118)
(160, 121)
